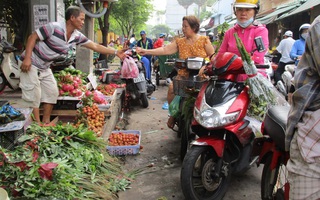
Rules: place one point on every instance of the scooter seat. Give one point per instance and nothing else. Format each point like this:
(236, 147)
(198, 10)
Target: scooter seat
(275, 123)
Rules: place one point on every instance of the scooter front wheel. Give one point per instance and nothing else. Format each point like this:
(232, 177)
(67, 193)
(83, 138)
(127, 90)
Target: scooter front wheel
(198, 177)
(3, 82)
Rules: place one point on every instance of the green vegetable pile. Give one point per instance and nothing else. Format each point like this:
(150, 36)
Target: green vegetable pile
(61, 162)
(261, 91)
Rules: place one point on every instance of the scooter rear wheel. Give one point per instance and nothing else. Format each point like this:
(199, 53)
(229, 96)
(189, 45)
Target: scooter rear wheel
(197, 175)
(3, 82)
(273, 181)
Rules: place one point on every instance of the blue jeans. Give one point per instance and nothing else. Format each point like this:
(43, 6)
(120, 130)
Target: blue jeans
(147, 66)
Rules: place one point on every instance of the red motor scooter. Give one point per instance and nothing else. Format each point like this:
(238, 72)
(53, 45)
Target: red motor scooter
(225, 138)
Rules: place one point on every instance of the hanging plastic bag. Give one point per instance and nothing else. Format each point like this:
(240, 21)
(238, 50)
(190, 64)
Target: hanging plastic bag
(129, 68)
(174, 106)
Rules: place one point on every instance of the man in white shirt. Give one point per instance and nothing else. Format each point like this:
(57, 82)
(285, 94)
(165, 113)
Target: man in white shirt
(284, 48)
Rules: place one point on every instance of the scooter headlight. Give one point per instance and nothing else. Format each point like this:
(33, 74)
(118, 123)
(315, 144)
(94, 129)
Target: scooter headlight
(212, 117)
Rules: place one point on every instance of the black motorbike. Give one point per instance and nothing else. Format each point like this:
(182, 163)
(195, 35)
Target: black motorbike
(187, 88)
(138, 89)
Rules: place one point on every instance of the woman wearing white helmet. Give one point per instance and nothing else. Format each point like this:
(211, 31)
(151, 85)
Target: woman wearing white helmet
(247, 29)
(299, 45)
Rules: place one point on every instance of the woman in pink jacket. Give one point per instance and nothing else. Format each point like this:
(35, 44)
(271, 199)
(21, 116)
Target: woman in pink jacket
(247, 29)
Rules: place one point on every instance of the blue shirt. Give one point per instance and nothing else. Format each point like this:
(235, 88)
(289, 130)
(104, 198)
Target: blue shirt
(147, 45)
(298, 49)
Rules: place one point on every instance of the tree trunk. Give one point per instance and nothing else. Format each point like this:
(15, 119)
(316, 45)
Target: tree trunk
(105, 30)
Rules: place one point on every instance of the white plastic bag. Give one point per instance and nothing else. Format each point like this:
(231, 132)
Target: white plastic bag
(129, 68)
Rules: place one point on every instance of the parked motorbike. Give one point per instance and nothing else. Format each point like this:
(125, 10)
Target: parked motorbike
(274, 184)
(10, 72)
(187, 88)
(225, 138)
(287, 80)
(137, 88)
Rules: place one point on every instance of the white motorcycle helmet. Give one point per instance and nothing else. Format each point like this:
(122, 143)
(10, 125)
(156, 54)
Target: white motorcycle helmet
(304, 26)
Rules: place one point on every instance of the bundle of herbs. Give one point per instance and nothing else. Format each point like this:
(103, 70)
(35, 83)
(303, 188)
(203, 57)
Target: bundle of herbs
(261, 91)
(61, 162)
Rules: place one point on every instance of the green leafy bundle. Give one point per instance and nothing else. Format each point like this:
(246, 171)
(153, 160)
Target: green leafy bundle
(261, 91)
(61, 162)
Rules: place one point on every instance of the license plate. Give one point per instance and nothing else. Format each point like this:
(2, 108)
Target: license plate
(140, 78)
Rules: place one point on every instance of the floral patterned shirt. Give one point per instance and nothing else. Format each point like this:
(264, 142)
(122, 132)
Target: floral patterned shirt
(197, 49)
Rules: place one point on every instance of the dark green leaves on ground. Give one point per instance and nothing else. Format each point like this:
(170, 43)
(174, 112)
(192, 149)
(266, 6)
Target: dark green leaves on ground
(61, 162)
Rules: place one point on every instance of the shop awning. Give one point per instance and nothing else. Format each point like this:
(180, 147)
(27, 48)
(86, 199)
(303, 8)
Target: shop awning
(278, 11)
(304, 7)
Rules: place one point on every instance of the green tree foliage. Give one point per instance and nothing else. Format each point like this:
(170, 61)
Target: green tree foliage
(14, 16)
(222, 28)
(162, 28)
(205, 15)
(68, 3)
(185, 4)
(131, 14)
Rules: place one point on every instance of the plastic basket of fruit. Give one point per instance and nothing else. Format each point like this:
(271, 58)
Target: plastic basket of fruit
(126, 142)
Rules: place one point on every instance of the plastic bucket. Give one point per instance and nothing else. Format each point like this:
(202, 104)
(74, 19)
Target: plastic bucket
(3, 194)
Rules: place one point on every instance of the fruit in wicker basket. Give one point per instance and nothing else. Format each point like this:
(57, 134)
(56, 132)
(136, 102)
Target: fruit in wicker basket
(123, 139)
